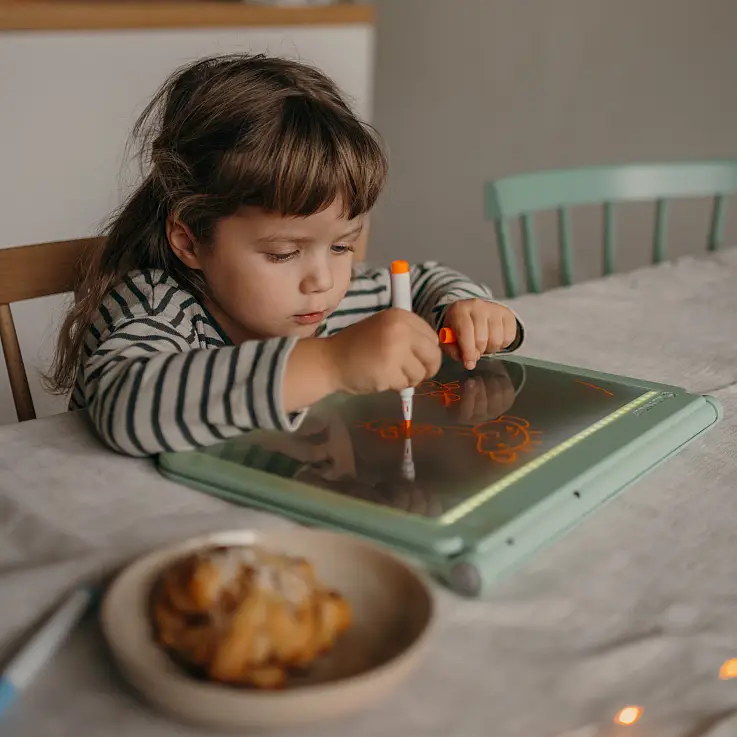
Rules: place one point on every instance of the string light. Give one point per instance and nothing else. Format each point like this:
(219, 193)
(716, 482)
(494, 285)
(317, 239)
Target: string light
(628, 716)
(728, 669)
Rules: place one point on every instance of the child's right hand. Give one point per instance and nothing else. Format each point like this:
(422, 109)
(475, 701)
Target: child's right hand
(392, 350)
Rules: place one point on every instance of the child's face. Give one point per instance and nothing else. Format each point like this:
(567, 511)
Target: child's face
(275, 276)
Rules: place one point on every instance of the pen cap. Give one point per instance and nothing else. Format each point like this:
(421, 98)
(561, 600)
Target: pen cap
(447, 336)
(401, 286)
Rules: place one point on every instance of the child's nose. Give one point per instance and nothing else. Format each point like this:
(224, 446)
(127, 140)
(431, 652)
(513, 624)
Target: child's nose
(318, 279)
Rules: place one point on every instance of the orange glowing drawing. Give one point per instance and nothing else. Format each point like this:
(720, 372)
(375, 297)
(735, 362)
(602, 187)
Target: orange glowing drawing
(501, 440)
(593, 386)
(445, 392)
(391, 430)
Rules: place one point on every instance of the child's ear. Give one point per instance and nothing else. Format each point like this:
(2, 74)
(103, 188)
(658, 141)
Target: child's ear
(182, 242)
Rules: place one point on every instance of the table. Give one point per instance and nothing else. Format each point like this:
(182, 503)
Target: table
(635, 606)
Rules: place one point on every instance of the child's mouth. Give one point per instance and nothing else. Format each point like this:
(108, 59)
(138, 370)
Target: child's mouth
(310, 318)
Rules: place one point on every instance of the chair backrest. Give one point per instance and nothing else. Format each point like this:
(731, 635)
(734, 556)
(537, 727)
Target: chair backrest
(523, 195)
(27, 272)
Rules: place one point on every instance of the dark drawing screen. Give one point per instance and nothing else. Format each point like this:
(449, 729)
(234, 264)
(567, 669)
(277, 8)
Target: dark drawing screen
(469, 430)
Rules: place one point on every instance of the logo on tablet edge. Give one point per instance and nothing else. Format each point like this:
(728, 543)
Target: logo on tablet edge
(654, 402)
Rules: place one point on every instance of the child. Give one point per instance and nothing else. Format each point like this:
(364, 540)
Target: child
(226, 297)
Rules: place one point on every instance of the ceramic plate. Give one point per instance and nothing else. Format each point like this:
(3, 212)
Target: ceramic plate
(392, 610)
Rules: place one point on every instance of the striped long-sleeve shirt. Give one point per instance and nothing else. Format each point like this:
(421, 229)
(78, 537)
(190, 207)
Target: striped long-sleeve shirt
(159, 374)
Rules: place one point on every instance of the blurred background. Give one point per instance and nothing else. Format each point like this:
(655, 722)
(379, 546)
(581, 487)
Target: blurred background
(463, 91)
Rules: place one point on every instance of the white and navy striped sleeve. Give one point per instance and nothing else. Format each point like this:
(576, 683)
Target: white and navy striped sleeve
(434, 289)
(150, 386)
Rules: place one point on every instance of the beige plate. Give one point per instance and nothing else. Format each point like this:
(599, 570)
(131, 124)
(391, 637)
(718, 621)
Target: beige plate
(392, 609)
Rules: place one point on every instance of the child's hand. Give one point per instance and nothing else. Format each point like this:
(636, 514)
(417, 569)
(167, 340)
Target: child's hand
(480, 328)
(392, 350)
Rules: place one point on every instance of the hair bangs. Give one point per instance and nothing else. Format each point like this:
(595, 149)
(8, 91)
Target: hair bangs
(312, 157)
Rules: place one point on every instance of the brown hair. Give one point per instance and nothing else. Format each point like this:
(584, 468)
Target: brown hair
(221, 133)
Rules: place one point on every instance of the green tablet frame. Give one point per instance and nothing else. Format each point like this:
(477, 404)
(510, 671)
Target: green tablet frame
(474, 543)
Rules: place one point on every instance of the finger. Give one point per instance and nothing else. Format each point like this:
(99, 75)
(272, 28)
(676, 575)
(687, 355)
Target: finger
(422, 327)
(495, 326)
(464, 330)
(481, 334)
(429, 355)
(451, 350)
(313, 424)
(316, 432)
(414, 371)
(510, 329)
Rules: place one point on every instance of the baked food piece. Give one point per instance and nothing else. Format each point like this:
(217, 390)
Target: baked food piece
(245, 616)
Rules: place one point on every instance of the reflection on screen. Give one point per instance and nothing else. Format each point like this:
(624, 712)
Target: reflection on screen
(469, 431)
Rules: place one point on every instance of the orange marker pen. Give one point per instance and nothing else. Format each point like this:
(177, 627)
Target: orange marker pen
(402, 298)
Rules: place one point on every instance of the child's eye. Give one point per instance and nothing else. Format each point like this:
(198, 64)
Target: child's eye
(341, 248)
(280, 258)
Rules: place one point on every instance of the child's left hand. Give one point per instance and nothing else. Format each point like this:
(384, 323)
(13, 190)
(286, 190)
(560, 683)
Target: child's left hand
(480, 327)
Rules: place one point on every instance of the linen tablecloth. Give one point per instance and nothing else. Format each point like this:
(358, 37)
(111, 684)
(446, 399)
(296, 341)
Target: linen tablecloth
(635, 606)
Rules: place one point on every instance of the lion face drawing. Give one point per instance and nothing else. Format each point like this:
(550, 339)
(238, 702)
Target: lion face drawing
(504, 438)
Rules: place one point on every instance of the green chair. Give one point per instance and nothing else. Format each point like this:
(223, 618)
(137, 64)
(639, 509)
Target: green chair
(523, 195)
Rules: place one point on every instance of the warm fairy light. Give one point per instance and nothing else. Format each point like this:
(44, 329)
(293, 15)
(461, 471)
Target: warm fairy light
(628, 716)
(728, 669)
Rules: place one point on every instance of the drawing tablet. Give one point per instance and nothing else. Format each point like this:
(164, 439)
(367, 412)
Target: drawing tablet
(500, 461)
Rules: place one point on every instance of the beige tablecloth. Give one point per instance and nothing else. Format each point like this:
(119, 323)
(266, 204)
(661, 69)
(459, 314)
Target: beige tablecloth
(636, 606)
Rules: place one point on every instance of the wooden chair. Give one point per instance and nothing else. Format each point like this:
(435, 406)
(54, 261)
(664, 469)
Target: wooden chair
(521, 196)
(27, 272)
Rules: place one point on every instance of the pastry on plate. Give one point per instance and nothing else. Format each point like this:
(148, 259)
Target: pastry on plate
(246, 616)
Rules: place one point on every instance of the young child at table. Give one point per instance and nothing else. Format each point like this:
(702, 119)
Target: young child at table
(226, 296)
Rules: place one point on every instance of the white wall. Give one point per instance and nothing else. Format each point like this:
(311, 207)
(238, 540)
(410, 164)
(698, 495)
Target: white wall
(472, 90)
(67, 103)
